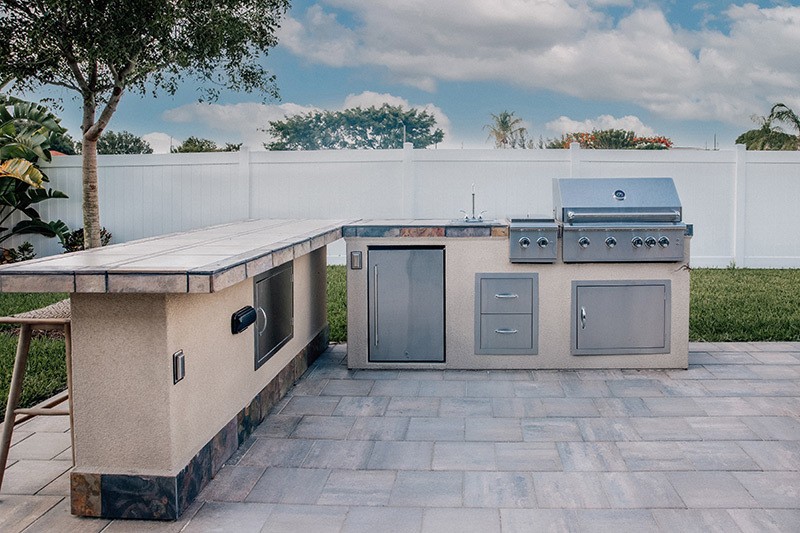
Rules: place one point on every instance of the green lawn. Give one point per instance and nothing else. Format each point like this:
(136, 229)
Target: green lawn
(726, 305)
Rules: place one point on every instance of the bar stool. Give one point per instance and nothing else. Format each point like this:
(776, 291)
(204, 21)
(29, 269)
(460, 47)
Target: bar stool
(53, 317)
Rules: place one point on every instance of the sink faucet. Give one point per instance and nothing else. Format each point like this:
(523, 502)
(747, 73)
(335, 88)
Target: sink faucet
(472, 218)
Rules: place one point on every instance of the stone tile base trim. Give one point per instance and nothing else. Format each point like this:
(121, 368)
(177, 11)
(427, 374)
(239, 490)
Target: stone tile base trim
(167, 497)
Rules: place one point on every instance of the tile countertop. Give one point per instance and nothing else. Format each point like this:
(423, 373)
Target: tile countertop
(425, 228)
(199, 261)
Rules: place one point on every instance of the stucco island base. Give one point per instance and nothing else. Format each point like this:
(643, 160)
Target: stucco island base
(146, 446)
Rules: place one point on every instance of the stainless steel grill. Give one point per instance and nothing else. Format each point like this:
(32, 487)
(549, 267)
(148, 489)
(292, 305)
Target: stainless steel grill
(619, 219)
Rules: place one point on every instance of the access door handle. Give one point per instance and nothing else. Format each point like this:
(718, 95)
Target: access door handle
(506, 331)
(263, 313)
(583, 318)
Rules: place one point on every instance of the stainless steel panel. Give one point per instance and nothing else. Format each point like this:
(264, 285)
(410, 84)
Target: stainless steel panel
(589, 244)
(533, 245)
(616, 199)
(274, 303)
(506, 295)
(502, 333)
(620, 317)
(406, 304)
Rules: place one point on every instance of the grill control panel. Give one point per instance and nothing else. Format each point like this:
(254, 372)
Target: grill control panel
(623, 245)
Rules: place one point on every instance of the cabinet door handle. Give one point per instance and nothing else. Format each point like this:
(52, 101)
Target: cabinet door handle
(583, 318)
(506, 295)
(375, 307)
(263, 313)
(505, 331)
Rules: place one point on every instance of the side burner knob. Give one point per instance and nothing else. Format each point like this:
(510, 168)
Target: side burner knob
(611, 242)
(524, 242)
(650, 242)
(584, 242)
(663, 241)
(543, 242)
(637, 242)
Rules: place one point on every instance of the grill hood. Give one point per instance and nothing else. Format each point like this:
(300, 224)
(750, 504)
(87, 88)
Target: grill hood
(616, 200)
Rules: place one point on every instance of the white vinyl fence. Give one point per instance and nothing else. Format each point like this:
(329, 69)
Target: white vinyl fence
(745, 206)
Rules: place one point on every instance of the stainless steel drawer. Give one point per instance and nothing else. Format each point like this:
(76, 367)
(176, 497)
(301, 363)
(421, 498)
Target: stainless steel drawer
(506, 295)
(506, 332)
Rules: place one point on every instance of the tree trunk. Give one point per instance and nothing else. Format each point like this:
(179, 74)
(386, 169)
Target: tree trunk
(91, 201)
(91, 204)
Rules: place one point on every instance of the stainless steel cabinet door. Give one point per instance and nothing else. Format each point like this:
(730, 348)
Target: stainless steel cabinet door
(274, 303)
(623, 317)
(406, 304)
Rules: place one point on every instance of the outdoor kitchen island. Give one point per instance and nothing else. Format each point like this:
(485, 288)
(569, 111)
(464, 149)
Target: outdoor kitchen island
(528, 293)
(181, 345)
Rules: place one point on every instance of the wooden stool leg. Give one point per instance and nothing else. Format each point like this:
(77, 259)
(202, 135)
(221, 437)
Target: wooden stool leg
(14, 392)
(68, 356)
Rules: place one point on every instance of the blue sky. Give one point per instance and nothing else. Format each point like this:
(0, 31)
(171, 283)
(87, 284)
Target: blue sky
(687, 70)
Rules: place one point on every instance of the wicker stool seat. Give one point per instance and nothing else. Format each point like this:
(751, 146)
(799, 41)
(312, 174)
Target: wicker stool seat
(53, 317)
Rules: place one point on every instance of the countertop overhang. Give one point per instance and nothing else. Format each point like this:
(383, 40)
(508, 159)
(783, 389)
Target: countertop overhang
(198, 261)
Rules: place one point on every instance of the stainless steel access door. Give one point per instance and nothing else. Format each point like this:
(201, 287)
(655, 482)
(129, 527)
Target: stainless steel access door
(620, 317)
(406, 304)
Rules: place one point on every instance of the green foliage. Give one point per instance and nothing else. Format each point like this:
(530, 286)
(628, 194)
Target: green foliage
(123, 142)
(770, 136)
(23, 252)
(139, 44)
(507, 131)
(767, 138)
(26, 129)
(337, 302)
(611, 139)
(101, 49)
(73, 240)
(25, 132)
(65, 144)
(196, 144)
(355, 128)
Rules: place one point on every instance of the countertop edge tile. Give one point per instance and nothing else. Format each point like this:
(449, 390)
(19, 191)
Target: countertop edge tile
(283, 240)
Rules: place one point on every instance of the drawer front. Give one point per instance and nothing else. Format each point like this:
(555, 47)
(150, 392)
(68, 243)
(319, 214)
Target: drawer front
(506, 332)
(506, 295)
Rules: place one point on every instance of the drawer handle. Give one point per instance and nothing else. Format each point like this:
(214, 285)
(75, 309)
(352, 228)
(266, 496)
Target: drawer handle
(506, 295)
(505, 331)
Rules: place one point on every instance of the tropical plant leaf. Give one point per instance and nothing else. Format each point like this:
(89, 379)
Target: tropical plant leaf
(22, 170)
(34, 227)
(35, 196)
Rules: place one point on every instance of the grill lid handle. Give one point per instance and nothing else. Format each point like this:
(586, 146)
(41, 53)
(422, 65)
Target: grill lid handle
(639, 216)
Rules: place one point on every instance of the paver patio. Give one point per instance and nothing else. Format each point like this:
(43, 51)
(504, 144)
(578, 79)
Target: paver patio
(712, 448)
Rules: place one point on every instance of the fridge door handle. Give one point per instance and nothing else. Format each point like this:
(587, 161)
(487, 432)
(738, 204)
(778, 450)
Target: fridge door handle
(375, 306)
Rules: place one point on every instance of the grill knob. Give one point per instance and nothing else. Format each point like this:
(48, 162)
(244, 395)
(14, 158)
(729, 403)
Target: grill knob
(637, 242)
(650, 242)
(543, 242)
(663, 241)
(524, 242)
(584, 242)
(611, 242)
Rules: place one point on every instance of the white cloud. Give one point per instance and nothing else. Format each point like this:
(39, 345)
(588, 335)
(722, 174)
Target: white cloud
(243, 122)
(563, 125)
(566, 46)
(159, 141)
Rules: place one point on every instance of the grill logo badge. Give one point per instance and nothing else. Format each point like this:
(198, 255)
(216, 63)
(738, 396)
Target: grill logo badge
(619, 194)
